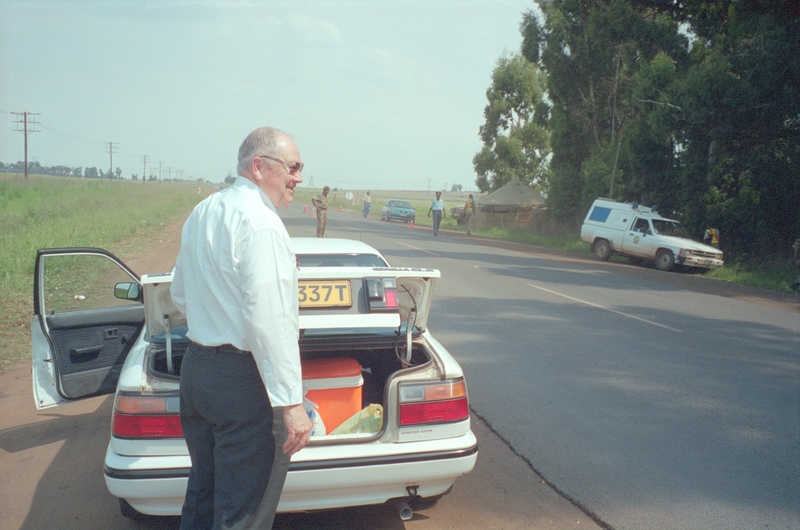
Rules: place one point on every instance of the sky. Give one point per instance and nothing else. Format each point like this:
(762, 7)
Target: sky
(381, 94)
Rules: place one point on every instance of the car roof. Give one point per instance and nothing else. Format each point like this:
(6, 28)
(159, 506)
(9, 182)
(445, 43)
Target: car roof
(318, 245)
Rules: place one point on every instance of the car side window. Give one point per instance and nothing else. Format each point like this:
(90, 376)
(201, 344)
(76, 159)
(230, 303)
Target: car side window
(81, 282)
(642, 226)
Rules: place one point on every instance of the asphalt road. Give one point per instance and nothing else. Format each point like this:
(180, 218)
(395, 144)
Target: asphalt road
(649, 399)
(51, 463)
(653, 400)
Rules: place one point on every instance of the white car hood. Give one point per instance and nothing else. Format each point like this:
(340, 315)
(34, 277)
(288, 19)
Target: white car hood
(690, 244)
(414, 286)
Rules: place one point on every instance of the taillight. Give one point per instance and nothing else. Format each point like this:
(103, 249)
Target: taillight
(146, 417)
(441, 402)
(382, 294)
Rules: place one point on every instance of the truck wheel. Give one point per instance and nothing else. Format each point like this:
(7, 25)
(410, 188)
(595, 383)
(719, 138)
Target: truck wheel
(665, 260)
(602, 250)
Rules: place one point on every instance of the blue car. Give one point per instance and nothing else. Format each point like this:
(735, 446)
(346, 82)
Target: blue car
(398, 211)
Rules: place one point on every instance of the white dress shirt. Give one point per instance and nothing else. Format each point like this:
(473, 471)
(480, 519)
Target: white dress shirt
(236, 282)
(437, 204)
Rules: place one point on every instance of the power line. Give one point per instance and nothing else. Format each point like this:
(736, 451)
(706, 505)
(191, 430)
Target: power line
(69, 136)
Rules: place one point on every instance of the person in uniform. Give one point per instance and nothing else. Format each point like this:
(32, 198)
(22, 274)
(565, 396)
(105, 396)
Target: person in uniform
(320, 202)
(437, 207)
(711, 237)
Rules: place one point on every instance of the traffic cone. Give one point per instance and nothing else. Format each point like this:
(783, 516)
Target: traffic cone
(305, 208)
(340, 208)
(411, 225)
(313, 212)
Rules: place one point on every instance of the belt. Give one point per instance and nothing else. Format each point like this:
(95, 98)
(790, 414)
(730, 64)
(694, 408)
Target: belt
(224, 348)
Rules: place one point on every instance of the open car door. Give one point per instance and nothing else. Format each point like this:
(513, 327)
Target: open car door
(87, 314)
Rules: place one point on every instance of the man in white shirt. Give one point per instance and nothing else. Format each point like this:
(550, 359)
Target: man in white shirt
(437, 207)
(241, 384)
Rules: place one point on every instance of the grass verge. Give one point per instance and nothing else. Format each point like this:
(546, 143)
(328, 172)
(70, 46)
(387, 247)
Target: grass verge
(42, 212)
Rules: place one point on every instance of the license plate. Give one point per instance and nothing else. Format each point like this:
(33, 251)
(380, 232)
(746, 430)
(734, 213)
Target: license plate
(324, 293)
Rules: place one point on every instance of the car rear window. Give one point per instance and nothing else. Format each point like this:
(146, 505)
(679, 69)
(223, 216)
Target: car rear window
(341, 260)
(600, 214)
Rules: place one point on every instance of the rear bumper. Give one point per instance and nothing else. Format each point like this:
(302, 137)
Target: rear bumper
(156, 485)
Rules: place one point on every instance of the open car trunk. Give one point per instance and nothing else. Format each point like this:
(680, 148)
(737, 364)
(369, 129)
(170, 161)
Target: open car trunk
(343, 382)
(348, 356)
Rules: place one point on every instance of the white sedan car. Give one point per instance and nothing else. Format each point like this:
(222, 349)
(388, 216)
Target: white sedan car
(390, 403)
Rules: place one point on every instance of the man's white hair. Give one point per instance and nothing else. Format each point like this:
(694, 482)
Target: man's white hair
(263, 141)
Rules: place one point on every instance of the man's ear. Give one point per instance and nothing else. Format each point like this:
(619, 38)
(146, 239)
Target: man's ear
(258, 168)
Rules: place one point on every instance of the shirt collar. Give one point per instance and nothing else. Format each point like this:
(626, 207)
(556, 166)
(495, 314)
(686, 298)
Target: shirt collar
(249, 184)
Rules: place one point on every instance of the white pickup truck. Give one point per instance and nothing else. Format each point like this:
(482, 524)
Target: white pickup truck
(641, 233)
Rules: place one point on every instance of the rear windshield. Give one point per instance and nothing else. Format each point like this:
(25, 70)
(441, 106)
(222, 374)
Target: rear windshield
(341, 260)
(400, 204)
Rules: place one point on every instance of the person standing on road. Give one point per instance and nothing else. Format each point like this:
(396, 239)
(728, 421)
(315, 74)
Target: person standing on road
(469, 211)
(241, 394)
(711, 237)
(437, 207)
(367, 204)
(320, 202)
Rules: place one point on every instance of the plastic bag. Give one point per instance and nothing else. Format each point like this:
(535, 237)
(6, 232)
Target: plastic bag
(369, 420)
(317, 425)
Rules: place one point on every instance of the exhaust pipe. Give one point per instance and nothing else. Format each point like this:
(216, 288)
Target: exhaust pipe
(404, 509)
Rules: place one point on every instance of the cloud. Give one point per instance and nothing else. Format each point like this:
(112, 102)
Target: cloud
(314, 30)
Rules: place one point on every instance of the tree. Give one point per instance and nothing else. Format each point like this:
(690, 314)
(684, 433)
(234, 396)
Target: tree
(593, 52)
(456, 187)
(515, 142)
(90, 173)
(705, 121)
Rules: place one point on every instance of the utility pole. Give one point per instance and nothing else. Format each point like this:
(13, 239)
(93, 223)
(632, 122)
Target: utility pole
(144, 168)
(112, 146)
(23, 121)
(159, 172)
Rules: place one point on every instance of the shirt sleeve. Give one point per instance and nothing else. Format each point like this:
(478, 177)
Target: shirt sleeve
(268, 275)
(177, 290)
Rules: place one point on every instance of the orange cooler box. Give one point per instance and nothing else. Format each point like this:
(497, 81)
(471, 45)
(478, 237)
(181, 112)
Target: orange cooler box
(334, 385)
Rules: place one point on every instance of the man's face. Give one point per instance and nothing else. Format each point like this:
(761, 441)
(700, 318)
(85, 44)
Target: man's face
(438, 195)
(278, 181)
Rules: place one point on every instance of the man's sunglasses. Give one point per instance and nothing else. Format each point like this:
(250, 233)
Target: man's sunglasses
(294, 168)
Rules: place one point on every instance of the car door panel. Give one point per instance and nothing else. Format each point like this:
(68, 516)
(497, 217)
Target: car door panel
(81, 333)
(90, 348)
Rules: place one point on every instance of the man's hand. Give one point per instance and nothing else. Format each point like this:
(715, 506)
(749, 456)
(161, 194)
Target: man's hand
(299, 427)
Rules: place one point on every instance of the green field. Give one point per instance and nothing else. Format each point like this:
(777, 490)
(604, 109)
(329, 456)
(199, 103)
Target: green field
(42, 212)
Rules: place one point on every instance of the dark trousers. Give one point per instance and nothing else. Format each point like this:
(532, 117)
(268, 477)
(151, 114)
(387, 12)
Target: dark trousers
(437, 220)
(322, 221)
(235, 442)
